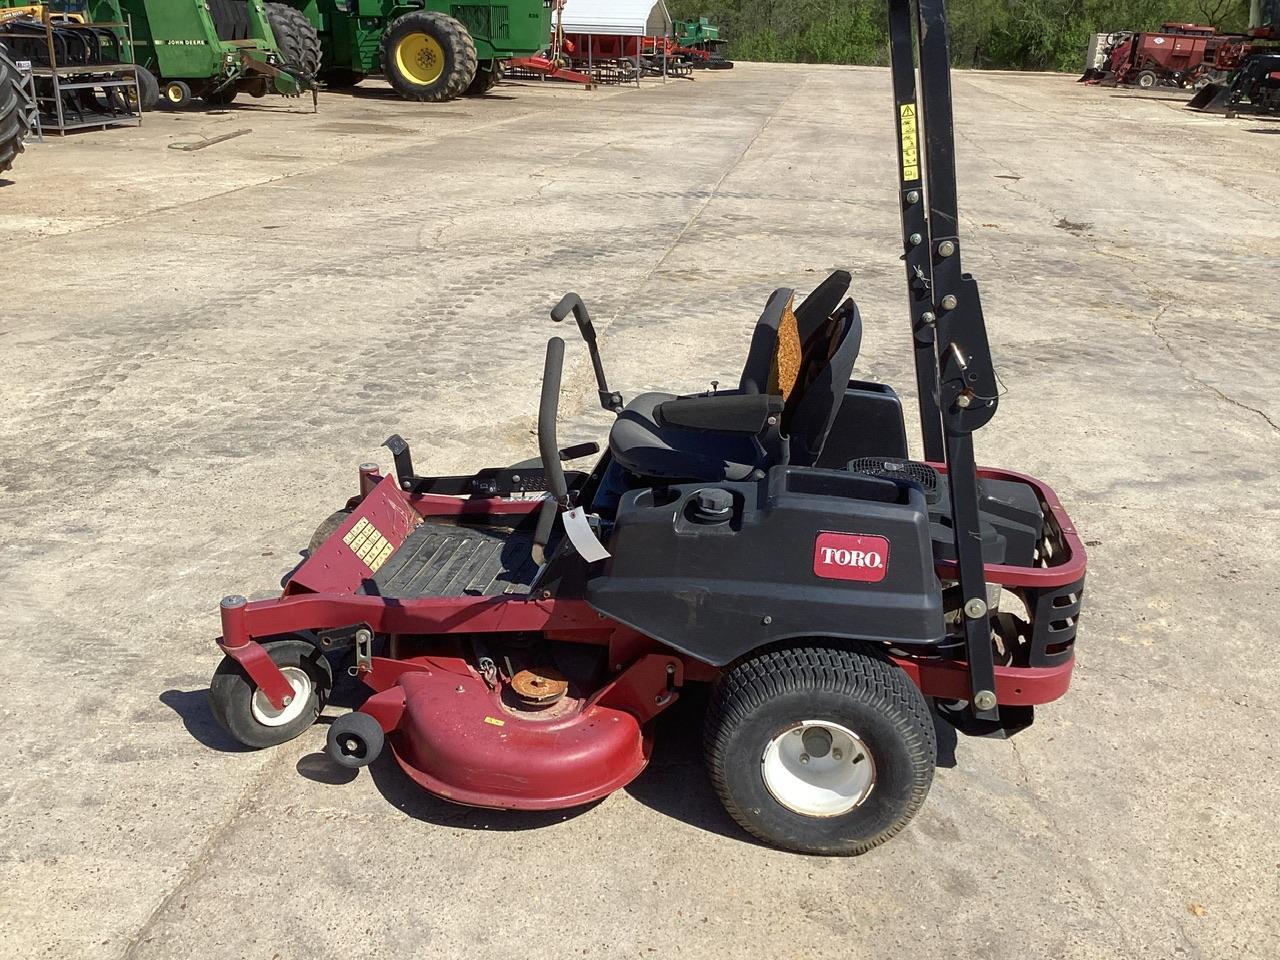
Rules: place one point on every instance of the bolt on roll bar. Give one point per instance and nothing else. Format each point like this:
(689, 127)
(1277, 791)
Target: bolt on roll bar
(955, 378)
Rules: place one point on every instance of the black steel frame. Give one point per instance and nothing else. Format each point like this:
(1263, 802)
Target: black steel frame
(954, 375)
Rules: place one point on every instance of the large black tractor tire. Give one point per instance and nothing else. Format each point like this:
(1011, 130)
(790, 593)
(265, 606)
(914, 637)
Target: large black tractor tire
(821, 749)
(148, 90)
(428, 57)
(296, 36)
(488, 73)
(13, 121)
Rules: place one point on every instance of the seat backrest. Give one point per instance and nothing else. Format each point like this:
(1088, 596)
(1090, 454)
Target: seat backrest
(782, 336)
(764, 343)
(824, 376)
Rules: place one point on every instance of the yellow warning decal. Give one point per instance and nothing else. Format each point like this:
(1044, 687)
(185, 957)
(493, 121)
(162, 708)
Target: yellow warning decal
(495, 721)
(367, 543)
(910, 147)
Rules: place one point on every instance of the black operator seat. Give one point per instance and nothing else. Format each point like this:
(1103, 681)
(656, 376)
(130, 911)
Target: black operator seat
(796, 371)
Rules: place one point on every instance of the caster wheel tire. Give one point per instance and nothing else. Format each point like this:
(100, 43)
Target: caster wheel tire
(823, 750)
(176, 94)
(326, 529)
(244, 711)
(355, 740)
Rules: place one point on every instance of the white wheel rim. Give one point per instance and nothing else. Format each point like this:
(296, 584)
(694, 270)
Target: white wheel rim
(818, 769)
(269, 716)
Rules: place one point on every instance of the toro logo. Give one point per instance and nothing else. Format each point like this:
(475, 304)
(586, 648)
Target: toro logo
(850, 556)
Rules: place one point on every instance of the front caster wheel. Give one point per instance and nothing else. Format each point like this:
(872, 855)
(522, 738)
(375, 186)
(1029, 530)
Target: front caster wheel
(355, 740)
(823, 750)
(244, 711)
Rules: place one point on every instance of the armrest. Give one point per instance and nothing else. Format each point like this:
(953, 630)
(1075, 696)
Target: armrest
(736, 413)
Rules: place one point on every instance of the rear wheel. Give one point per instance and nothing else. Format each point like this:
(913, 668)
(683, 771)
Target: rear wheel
(428, 57)
(296, 36)
(244, 711)
(13, 121)
(1147, 79)
(220, 97)
(148, 89)
(487, 76)
(825, 750)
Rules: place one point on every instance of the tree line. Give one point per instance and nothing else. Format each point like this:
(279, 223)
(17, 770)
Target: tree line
(993, 34)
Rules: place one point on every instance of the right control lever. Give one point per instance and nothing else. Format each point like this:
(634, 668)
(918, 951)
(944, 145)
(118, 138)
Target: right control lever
(609, 399)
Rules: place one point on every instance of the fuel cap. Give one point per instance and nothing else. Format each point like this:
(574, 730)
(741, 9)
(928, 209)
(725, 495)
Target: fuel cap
(712, 505)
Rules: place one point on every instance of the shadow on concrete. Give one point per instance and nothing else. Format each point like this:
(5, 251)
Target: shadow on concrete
(192, 707)
(411, 799)
(1170, 98)
(676, 783)
(1250, 130)
(319, 768)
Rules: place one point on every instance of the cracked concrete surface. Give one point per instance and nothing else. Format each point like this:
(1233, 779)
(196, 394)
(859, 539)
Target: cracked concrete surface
(201, 347)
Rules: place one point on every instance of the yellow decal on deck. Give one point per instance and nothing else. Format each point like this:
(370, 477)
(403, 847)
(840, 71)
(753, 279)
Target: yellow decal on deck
(495, 721)
(367, 543)
(910, 147)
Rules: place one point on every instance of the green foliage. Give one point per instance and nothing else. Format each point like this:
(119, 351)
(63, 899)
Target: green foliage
(999, 34)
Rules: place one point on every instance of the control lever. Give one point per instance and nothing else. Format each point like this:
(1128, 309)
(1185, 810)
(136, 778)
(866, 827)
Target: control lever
(609, 399)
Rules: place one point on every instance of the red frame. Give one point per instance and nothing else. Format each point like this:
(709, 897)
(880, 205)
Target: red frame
(320, 596)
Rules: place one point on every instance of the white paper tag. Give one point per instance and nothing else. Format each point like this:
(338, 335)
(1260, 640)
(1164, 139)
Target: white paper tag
(581, 535)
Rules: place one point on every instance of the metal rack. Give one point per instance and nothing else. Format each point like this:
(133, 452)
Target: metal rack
(30, 107)
(51, 81)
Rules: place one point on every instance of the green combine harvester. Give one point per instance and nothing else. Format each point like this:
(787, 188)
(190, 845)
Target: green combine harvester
(428, 50)
(699, 42)
(216, 49)
(212, 49)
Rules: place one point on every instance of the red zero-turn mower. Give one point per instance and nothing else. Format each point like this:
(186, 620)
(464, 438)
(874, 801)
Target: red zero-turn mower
(521, 628)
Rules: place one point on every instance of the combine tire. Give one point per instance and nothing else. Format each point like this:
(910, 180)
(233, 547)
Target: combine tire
(826, 750)
(487, 76)
(177, 93)
(429, 57)
(13, 123)
(296, 37)
(220, 97)
(148, 90)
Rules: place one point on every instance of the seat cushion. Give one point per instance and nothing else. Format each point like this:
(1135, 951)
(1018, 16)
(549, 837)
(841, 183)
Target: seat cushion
(644, 448)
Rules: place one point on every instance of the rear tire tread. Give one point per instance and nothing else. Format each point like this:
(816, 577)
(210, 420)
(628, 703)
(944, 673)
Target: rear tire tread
(854, 670)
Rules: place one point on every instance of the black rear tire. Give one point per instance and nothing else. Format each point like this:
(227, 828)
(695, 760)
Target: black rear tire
(1147, 79)
(488, 73)
(232, 693)
(296, 36)
(148, 90)
(428, 57)
(13, 121)
(854, 688)
(220, 97)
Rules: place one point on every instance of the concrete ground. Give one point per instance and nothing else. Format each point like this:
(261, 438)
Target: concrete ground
(200, 347)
